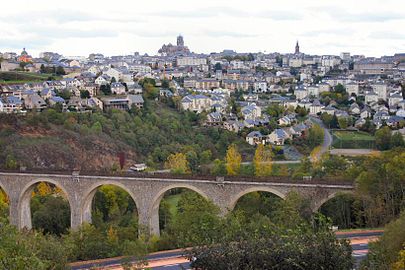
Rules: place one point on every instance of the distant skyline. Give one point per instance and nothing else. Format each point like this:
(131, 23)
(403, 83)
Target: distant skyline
(372, 28)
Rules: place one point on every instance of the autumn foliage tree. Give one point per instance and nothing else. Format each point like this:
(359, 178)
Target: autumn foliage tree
(177, 163)
(262, 160)
(233, 160)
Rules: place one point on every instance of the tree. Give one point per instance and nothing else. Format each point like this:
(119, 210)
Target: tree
(205, 157)
(385, 252)
(97, 128)
(339, 88)
(106, 89)
(165, 83)
(343, 122)
(265, 246)
(28, 250)
(301, 111)
(315, 135)
(42, 69)
(397, 140)
(11, 163)
(304, 169)
(219, 167)
(383, 138)
(233, 160)
(43, 189)
(192, 159)
(196, 223)
(275, 110)
(380, 188)
(52, 216)
(84, 94)
(60, 71)
(217, 66)
(262, 160)
(177, 163)
(151, 91)
(326, 119)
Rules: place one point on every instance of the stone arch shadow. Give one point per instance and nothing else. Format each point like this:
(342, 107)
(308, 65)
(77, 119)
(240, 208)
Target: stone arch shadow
(235, 198)
(24, 202)
(85, 206)
(321, 202)
(153, 211)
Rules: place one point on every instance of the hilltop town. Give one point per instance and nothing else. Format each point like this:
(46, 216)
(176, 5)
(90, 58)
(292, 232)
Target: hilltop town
(267, 98)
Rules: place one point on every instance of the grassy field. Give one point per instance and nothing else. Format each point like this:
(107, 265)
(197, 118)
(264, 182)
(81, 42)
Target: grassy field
(353, 140)
(172, 200)
(14, 77)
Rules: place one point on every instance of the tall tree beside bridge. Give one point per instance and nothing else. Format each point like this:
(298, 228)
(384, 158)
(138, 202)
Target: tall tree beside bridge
(262, 160)
(233, 160)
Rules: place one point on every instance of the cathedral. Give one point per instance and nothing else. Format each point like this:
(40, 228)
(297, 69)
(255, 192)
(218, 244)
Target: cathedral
(171, 49)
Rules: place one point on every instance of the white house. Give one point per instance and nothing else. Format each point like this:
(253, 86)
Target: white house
(352, 88)
(260, 87)
(278, 137)
(315, 108)
(255, 137)
(251, 111)
(313, 91)
(354, 109)
(381, 90)
(113, 73)
(371, 97)
(102, 80)
(118, 88)
(300, 93)
(394, 99)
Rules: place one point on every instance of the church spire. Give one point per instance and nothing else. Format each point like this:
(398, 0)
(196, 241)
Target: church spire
(297, 48)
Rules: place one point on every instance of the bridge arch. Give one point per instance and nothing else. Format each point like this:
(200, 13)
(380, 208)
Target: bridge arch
(153, 212)
(24, 201)
(86, 205)
(332, 195)
(236, 197)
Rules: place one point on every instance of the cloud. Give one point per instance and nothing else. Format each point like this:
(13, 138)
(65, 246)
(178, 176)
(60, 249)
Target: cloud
(387, 35)
(64, 16)
(280, 15)
(344, 15)
(219, 34)
(33, 43)
(211, 12)
(57, 32)
(331, 31)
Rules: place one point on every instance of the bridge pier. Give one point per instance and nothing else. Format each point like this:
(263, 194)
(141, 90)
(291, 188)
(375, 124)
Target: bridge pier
(76, 217)
(14, 212)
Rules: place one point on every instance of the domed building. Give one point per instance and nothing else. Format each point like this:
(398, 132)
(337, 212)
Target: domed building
(24, 57)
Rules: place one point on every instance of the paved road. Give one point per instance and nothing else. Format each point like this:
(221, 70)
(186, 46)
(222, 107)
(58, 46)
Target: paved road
(327, 137)
(276, 162)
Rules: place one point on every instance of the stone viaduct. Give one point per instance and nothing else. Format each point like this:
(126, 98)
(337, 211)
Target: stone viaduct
(147, 193)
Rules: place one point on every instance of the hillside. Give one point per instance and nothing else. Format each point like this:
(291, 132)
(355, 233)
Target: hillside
(11, 77)
(92, 141)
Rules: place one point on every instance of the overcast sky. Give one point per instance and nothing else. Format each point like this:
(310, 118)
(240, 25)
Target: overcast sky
(79, 27)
